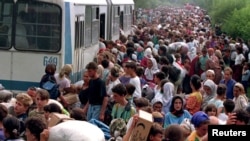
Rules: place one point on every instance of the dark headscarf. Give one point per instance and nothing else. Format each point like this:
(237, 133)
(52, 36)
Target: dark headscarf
(173, 111)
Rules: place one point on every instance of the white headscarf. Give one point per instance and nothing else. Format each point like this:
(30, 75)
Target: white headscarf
(148, 53)
(149, 72)
(168, 93)
(213, 87)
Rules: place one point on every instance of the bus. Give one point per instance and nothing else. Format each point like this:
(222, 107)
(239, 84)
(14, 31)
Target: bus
(34, 33)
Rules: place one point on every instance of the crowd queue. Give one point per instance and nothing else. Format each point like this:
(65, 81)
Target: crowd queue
(173, 65)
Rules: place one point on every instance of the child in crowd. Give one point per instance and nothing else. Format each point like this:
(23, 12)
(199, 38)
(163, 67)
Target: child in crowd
(245, 75)
(130, 90)
(211, 110)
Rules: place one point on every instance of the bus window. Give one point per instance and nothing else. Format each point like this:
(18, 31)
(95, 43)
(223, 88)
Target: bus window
(38, 26)
(6, 8)
(116, 20)
(79, 32)
(88, 22)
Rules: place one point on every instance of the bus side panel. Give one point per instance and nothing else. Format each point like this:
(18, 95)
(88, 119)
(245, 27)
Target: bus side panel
(128, 20)
(90, 53)
(68, 32)
(28, 68)
(115, 19)
(76, 15)
(5, 68)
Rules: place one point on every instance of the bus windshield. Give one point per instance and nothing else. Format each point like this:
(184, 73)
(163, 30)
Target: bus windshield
(32, 25)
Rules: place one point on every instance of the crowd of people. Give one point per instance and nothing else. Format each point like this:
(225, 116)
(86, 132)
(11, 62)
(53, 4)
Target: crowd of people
(173, 65)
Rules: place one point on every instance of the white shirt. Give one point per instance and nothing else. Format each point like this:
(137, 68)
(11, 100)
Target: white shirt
(137, 83)
(239, 58)
(111, 85)
(158, 94)
(223, 116)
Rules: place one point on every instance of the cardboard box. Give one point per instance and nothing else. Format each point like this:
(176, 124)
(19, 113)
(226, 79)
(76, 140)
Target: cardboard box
(143, 126)
(56, 118)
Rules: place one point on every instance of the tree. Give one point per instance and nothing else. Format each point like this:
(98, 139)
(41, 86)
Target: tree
(238, 25)
(150, 3)
(222, 9)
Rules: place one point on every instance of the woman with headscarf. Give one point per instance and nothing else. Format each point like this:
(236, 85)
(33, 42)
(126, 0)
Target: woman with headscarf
(209, 88)
(147, 55)
(214, 64)
(240, 99)
(151, 69)
(167, 92)
(176, 113)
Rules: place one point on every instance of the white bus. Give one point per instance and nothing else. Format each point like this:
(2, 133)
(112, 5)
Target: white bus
(34, 33)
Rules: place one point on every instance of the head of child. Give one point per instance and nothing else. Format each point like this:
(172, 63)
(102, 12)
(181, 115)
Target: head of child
(32, 93)
(242, 117)
(139, 71)
(177, 57)
(51, 108)
(246, 66)
(141, 103)
(131, 68)
(119, 92)
(42, 98)
(157, 105)
(130, 90)
(50, 69)
(200, 120)
(155, 133)
(23, 102)
(114, 74)
(211, 110)
(174, 132)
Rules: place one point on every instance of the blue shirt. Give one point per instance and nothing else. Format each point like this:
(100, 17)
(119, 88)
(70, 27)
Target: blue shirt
(2, 137)
(245, 76)
(172, 119)
(230, 87)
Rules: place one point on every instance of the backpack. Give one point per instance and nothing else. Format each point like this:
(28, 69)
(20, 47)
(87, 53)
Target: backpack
(52, 87)
(148, 92)
(108, 112)
(127, 110)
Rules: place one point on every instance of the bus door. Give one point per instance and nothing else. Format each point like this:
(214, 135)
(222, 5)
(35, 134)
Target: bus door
(121, 19)
(102, 26)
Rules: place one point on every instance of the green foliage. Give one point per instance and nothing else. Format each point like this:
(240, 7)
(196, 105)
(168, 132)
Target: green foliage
(150, 3)
(222, 9)
(205, 4)
(145, 3)
(238, 24)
